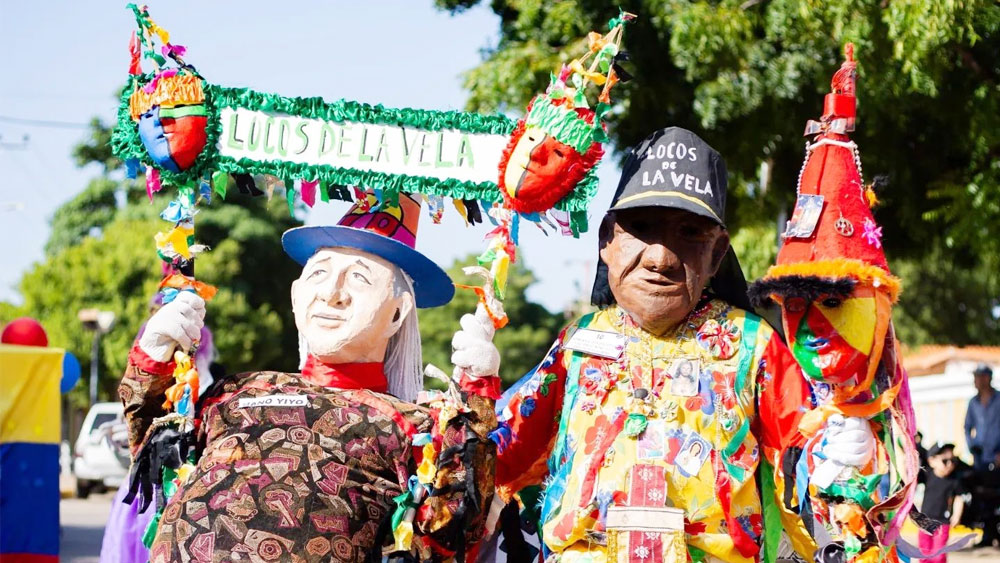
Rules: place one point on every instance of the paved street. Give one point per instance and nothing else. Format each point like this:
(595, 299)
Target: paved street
(83, 527)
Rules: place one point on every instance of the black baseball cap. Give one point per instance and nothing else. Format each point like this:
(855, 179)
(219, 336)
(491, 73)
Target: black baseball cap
(983, 369)
(938, 449)
(674, 168)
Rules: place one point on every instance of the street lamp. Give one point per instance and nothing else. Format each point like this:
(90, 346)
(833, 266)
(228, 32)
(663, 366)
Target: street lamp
(100, 322)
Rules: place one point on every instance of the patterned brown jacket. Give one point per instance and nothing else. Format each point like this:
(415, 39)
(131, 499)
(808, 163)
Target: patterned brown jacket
(312, 476)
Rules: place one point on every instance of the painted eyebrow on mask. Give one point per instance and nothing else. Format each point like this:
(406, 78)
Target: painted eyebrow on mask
(312, 265)
(358, 262)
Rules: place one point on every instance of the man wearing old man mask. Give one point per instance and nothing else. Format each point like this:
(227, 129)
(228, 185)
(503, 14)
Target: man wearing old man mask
(336, 463)
(670, 294)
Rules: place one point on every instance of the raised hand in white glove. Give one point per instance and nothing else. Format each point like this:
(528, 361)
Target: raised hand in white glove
(473, 351)
(849, 441)
(177, 323)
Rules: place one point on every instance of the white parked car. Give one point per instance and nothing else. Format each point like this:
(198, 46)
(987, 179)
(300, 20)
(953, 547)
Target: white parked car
(101, 456)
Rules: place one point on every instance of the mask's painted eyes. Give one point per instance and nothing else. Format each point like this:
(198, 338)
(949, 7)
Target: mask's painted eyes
(795, 304)
(360, 277)
(558, 152)
(315, 273)
(832, 302)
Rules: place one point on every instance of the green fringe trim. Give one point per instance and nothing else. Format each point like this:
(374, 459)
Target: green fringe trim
(126, 144)
(562, 123)
(390, 184)
(345, 110)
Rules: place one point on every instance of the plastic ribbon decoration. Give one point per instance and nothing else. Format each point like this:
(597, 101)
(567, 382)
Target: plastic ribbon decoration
(562, 115)
(161, 111)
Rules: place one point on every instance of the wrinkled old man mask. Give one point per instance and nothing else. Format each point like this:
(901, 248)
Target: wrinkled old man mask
(347, 307)
(659, 260)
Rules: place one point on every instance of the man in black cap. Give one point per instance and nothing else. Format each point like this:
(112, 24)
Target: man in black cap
(650, 418)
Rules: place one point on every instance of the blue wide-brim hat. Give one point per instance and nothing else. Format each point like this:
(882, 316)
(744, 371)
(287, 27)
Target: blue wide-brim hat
(386, 231)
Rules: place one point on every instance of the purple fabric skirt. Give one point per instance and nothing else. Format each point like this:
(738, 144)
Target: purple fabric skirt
(123, 533)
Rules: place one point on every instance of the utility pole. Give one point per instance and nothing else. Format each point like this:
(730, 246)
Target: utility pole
(100, 322)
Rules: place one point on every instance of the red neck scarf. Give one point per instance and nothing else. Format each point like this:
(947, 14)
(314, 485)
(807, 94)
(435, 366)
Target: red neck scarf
(346, 376)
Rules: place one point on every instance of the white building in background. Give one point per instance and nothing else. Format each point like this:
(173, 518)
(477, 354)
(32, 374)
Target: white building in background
(941, 386)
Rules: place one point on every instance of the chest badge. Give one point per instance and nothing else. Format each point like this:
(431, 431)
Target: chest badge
(609, 345)
(273, 401)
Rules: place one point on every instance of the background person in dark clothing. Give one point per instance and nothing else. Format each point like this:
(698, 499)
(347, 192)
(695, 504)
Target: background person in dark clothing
(943, 492)
(985, 488)
(982, 419)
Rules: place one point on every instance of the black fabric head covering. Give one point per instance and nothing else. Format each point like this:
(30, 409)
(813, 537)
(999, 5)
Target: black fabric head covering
(673, 168)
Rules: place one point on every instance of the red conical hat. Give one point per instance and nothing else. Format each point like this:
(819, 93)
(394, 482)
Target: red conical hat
(832, 233)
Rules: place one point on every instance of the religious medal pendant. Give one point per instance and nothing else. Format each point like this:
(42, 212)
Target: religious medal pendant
(844, 226)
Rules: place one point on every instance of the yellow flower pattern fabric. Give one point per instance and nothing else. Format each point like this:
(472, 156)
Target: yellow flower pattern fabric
(676, 421)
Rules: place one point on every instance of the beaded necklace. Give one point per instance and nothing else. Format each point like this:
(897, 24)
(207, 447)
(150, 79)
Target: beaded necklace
(642, 397)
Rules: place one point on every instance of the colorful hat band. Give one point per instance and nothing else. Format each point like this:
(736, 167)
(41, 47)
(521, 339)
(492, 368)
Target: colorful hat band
(839, 268)
(180, 89)
(563, 123)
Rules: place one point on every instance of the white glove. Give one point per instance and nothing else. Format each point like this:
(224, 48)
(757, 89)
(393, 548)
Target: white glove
(473, 351)
(177, 323)
(849, 441)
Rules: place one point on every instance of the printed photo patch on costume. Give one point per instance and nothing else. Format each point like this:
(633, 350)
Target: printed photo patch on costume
(684, 377)
(609, 345)
(804, 217)
(273, 401)
(692, 456)
(651, 443)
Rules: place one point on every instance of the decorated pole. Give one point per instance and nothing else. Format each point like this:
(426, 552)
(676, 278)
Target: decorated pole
(193, 136)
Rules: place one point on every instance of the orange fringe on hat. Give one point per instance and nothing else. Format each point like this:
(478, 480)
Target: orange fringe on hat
(841, 268)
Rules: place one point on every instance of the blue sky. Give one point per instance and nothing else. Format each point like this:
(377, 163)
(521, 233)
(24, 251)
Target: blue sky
(64, 60)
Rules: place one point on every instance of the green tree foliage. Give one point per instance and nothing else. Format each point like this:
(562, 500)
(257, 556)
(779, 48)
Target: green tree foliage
(522, 343)
(101, 254)
(757, 247)
(91, 210)
(747, 74)
(954, 301)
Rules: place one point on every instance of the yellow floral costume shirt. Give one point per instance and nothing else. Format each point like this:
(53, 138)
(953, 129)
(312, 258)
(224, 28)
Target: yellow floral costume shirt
(620, 425)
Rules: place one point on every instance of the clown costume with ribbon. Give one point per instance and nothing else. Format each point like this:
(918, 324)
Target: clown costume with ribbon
(836, 293)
